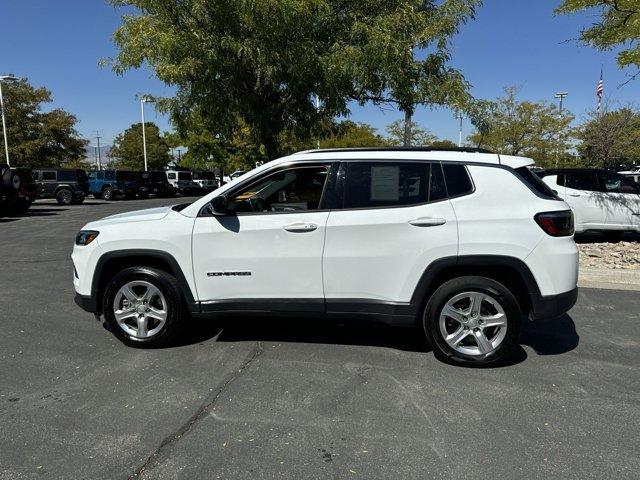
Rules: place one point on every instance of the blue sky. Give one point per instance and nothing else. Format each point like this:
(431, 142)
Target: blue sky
(58, 44)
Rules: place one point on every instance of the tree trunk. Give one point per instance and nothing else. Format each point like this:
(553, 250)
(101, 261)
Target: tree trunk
(407, 128)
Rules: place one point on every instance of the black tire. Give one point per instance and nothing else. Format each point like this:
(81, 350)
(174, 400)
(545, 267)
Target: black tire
(613, 237)
(451, 288)
(168, 286)
(143, 195)
(64, 196)
(107, 193)
(97, 195)
(78, 199)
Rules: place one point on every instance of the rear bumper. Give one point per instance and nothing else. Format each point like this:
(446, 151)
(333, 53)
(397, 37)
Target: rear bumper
(552, 306)
(86, 302)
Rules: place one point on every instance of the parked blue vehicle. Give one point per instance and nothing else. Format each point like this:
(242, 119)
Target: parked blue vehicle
(108, 184)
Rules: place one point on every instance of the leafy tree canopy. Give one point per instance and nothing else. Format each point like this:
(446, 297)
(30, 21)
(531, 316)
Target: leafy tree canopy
(37, 138)
(264, 61)
(533, 129)
(419, 135)
(610, 138)
(348, 134)
(618, 26)
(127, 152)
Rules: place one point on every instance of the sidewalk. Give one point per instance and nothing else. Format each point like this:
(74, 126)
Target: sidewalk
(609, 278)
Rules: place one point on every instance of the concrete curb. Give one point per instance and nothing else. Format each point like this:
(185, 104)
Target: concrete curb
(614, 279)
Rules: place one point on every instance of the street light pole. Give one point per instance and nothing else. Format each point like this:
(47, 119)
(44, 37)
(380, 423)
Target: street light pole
(4, 120)
(561, 96)
(144, 136)
(144, 99)
(459, 114)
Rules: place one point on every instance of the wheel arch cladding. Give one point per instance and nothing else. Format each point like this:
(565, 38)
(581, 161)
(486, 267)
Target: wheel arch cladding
(111, 263)
(512, 272)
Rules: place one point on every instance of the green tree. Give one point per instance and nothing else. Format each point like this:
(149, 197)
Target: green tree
(37, 138)
(618, 26)
(418, 135)
(348, 134)
(443, 144)
(610, 138)
(534, 129)
(386, 64)
(264, 62)
(127, 152)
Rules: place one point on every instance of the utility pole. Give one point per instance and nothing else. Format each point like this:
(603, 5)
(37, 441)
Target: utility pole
(98, 159)
(561, 96)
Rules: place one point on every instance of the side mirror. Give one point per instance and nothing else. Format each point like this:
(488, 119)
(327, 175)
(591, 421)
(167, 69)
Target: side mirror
(219, 205)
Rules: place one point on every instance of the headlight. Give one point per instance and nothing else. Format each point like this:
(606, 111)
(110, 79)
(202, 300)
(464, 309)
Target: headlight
(85, 237)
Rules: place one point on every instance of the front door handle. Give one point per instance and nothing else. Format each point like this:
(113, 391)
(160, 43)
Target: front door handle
(575, 195)
(300, 227)
(427, 222)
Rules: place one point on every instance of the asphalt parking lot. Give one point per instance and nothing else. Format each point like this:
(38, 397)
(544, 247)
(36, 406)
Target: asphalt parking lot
(297, 398)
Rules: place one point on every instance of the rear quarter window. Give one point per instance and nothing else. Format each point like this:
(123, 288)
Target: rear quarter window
(535, 183)
(457, 180)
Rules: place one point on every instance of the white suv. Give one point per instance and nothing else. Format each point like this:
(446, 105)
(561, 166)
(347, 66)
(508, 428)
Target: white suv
(463, 243)
(601, 200)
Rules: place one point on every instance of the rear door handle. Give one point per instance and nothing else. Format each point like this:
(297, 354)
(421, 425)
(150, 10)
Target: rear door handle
(300, 227)
(575, 195)
(427, 222)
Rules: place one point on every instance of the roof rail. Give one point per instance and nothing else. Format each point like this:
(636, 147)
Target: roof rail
(401, 149)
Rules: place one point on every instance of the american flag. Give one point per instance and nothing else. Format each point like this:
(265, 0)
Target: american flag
(599, 91)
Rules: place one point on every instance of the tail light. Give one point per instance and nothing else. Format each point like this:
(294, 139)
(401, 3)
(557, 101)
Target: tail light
(556, 224)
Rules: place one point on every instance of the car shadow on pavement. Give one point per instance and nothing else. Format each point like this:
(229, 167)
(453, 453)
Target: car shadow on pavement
(549, 337)
(38, 212)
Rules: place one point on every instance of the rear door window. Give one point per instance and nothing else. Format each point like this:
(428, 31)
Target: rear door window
(386, 184)
(582, 181)
(67, 176)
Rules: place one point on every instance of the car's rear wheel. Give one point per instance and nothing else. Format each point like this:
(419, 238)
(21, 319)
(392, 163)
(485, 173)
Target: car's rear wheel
(472, 321)
(78, 199)
(107, 193)
(143, 307)
(64, 196)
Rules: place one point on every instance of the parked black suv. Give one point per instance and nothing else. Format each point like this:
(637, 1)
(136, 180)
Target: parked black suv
(154, 183)
(67, 186)
(17, 189)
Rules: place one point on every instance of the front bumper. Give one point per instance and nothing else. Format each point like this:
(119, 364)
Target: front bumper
(552, 306)
(87, 303)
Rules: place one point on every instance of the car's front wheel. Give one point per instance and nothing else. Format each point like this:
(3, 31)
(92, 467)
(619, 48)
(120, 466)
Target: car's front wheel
(143, 307)
(473, 321)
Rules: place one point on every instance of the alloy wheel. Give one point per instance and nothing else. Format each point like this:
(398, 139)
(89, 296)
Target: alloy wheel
(140, 309)
(473, 323)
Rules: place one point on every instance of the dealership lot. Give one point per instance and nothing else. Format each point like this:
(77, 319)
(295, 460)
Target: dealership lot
(297, 398)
